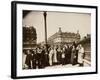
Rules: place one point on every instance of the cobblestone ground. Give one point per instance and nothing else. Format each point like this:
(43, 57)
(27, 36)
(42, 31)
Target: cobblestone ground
(62, 66)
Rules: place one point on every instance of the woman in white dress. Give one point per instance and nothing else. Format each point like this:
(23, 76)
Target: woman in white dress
(23, 61)
(55, 56)
(51, 52)
(80, 54)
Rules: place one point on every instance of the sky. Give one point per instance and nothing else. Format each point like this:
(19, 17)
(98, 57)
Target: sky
(69, 22)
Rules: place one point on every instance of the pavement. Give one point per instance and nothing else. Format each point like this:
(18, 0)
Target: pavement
(62, 66)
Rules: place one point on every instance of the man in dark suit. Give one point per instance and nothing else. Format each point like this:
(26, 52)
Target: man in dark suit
(34, 57)
(28, 59)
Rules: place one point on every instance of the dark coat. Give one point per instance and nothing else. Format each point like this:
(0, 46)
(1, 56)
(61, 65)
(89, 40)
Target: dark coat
(28, 60)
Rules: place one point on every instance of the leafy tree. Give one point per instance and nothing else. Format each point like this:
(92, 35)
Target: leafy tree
(29, 34)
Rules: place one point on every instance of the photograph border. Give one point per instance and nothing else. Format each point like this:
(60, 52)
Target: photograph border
(14, 37)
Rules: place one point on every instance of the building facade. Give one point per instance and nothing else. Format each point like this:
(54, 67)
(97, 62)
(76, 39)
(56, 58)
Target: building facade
(61, 38)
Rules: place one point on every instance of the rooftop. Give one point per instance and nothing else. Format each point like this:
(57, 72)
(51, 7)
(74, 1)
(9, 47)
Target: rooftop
(64, 34)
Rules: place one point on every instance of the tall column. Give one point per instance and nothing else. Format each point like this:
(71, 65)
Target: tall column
(45, 24)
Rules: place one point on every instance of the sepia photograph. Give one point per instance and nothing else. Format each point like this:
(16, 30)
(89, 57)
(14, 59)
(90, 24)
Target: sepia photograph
(53, 40)
(56, 39)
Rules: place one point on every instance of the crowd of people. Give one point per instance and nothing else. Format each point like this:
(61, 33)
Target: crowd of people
(40, 57)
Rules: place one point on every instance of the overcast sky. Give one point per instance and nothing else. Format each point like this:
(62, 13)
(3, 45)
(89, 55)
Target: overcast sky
(69, 22)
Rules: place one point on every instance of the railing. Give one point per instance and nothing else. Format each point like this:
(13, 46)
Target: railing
(86, 62)
(87, 58)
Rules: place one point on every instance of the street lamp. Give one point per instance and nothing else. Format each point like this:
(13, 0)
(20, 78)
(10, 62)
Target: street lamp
(45, 24)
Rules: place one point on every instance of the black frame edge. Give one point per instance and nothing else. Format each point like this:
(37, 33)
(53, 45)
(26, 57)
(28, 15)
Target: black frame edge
(54, 4)
(14, 31)
(56, 75)
(96, 39)
(13, 40)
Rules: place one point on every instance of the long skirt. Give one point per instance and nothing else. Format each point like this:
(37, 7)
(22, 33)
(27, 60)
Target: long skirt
(80, 58)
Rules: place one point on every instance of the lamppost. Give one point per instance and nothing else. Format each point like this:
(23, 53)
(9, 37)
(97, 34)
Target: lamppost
(45, 24)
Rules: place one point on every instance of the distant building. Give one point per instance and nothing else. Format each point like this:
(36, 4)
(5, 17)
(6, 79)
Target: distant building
(29, 37)
(61, 38)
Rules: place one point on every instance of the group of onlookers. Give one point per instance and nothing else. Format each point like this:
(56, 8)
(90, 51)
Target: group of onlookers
(40, 57)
